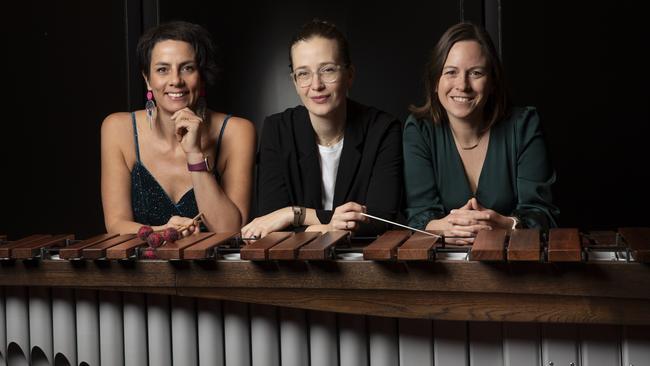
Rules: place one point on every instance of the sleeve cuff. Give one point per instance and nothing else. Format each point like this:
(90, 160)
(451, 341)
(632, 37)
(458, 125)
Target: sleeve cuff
(324, 216)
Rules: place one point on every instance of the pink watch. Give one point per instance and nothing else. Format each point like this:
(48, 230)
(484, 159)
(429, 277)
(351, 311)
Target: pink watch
(203, 166)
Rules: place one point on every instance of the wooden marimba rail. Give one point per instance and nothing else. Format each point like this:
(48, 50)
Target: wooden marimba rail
(522, 278)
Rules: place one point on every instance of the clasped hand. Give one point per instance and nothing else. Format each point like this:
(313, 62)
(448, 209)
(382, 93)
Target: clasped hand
(465, 222)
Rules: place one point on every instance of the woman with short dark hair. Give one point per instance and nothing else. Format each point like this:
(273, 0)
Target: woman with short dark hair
(164, 164)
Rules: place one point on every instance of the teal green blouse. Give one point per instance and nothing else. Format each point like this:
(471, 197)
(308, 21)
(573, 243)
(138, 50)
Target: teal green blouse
(515, 180)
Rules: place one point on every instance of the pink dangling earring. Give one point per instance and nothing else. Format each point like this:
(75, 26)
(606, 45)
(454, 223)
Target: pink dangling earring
(150, 107)
(201, 105)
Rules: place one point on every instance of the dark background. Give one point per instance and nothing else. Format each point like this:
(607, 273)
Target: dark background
(70, 64)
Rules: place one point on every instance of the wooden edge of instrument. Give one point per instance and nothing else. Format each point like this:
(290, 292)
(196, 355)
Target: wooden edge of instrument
(491, 307)
(33, 249)
(125, 249)
(288, 249)
(259, 250)
(98, 250)
(319, 249)
(385, 247)
(489, 245)
(201, 250)
(564, 245)
(175, 250)
(524, 245)
(417, 248)
(74, 250)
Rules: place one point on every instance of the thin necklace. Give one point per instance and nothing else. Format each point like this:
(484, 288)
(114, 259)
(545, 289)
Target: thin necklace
(472, 147)
(333, 141)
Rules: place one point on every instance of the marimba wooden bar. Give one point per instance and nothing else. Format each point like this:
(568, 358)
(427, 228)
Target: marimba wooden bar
(638, 240)
(175, 250)
(5, 249)
(489, 246)
(125, 250)
(385, 247)
(321, 248)
(259, 250)
(204, 248)
(97, 250)
(33, 249)
(288, 249)
(419, 247)
(524, 245)
(564, 245)
(74, 250)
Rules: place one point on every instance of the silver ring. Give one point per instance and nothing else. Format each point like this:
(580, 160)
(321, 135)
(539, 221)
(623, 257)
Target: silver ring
(347, 226)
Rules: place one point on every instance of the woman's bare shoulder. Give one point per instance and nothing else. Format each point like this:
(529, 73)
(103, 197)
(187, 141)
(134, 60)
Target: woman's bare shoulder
(117, 124)
(241, 126)
(236, 127)
(117, 132)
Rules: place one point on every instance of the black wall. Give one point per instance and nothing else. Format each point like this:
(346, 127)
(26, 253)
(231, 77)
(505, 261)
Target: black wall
(585, 67)
(389, 45)
(71, 64)
(65, 68)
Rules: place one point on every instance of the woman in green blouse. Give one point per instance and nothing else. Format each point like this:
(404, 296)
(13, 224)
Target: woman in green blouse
(471, 162)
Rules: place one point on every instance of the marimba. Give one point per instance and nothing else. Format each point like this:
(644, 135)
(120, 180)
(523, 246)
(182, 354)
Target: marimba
(521, 285)
(526, 245)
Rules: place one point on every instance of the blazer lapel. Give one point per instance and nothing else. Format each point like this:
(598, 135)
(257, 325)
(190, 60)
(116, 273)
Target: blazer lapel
(308, 161)
(350, 156)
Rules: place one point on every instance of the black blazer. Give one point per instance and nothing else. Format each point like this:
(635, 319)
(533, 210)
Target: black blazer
(370, 170)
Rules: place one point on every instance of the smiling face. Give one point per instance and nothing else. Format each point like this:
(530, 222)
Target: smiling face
(174, 76)
(321, 55)
(464, 85)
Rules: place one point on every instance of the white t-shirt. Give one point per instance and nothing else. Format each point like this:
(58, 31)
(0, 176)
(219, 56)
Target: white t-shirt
(329, 166)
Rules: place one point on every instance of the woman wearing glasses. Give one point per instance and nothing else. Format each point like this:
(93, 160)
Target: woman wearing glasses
(325, 163)
(471, 162)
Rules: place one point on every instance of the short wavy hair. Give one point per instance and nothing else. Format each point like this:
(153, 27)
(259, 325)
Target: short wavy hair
(205, 50)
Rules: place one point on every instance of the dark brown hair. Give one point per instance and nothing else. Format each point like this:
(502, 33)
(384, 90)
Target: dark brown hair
(497, 103)
(324, 29)
(194, 34)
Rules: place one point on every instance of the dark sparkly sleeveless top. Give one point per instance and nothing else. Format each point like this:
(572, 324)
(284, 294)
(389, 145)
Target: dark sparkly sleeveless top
(150, 203)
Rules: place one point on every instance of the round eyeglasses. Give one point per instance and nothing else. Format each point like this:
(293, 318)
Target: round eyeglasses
(328, 74)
